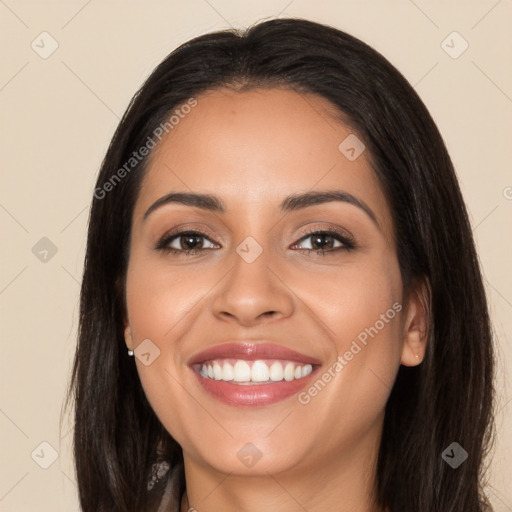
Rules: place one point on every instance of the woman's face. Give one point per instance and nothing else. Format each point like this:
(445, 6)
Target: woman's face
(307, 330)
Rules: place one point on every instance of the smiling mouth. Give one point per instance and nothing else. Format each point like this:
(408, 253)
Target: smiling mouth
(261, 371)
(254, 385)
(253, 373)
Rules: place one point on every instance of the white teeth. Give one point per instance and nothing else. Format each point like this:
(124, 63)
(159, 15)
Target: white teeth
(242, 372)
(217, 371)
(227, 372)
(289, 371)
(259, 372)
(306, 370)
(276, 372)
(254, 371)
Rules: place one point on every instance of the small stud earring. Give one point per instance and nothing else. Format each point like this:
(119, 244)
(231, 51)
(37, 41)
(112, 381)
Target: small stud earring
(417, 356)
(130, 353)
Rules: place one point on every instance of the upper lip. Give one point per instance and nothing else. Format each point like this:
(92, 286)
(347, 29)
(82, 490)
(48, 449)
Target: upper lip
(251, 351)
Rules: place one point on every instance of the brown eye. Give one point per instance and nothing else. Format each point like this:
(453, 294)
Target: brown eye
(327, 241)
(184, 242)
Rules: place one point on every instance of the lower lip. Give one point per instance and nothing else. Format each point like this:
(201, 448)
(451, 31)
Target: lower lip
(253, 395)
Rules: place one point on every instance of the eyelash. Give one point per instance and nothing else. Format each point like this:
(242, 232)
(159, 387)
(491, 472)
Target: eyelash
(348, 242)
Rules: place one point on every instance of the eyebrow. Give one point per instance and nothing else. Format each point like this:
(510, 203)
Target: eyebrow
(291, 203)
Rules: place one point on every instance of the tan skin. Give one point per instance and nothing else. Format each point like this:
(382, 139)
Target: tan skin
(253, 149)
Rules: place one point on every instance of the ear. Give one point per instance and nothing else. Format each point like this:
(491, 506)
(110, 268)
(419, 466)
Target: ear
(416, 324)
(120, 290)
(128, 337)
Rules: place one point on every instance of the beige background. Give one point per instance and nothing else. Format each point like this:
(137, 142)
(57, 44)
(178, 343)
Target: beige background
(59, 113)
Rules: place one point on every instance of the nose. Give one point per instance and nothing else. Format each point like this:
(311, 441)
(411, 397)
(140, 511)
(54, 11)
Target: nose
(252, 293)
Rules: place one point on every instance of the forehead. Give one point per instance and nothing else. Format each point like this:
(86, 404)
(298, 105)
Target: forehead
(256, 147)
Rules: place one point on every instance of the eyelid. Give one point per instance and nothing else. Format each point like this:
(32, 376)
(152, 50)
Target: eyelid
(187, 228)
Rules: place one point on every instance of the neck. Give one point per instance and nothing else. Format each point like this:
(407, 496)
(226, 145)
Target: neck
(343, 482)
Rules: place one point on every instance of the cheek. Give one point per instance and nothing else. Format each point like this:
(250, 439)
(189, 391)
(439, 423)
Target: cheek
(158, 297)
(360, 308)
(356, 302)
(162, 303)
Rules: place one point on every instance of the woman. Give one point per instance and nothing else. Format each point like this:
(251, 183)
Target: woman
(281, 305)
